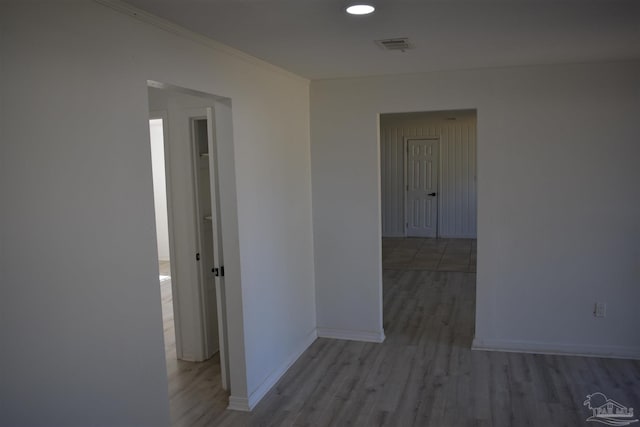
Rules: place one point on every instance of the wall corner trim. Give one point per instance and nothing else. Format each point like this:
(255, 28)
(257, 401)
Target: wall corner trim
(559, 349)
(345, 334)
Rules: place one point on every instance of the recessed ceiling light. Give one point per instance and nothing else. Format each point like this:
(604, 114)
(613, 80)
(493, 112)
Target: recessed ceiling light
(360, 9)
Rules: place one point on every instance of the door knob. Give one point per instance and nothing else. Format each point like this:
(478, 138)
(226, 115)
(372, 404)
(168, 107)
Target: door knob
(431, 194)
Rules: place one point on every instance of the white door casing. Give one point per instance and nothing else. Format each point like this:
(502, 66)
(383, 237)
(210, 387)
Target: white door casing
(205, 230)
(211, 265)
(184, 228)
(421, 187)
(218, 256)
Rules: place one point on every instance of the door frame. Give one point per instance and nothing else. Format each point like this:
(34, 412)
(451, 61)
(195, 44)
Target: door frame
(193, 115)
(166, 96)
(405, 180)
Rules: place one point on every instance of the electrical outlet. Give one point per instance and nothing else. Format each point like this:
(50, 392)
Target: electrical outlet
(600, 309)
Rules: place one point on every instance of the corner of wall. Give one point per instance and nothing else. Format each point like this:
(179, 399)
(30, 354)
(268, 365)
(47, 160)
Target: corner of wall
(248, 403)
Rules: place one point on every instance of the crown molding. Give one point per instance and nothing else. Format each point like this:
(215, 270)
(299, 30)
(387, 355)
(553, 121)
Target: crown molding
(178, 30)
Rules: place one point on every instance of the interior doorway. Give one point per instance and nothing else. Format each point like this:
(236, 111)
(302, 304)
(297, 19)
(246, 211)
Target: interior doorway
(429, 198)
(183, 128)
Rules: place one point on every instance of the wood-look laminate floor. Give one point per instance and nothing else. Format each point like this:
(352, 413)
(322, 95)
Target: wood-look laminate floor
(429, 254)
(424, 374)
(195, 392)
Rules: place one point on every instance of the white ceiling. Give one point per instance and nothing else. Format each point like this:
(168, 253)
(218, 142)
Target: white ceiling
(317, 39)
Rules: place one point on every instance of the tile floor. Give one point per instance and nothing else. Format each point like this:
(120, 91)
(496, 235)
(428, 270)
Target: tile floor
(413, 253)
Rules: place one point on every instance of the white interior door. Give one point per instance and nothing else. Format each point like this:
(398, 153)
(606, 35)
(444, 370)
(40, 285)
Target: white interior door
(422, 187)
(211, 266)
(205, 229)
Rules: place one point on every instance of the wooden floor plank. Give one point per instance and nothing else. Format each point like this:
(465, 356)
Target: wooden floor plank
(424, 374)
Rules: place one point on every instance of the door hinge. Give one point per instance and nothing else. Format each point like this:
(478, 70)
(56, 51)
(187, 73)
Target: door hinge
(198, 256)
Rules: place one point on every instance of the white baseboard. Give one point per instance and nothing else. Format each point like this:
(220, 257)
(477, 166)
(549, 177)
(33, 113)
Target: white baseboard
(247, 404)
(441, 236)
(615, 352)
(345, 334)
(239, 404)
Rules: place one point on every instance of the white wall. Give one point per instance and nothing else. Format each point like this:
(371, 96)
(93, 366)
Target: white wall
(159, 187)
(81, 302)
(558, 200)
(457, 172)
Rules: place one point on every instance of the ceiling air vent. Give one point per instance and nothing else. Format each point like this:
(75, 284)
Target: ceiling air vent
(401, 44)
